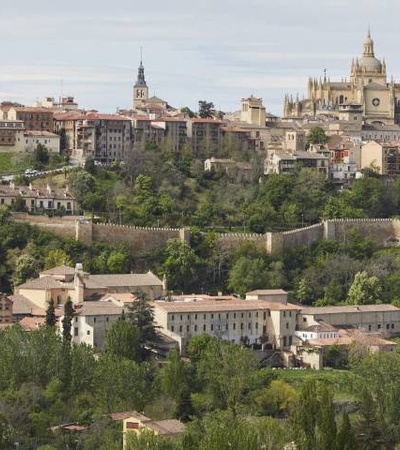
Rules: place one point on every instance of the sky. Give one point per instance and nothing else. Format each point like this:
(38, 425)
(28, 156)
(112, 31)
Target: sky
(213, 50)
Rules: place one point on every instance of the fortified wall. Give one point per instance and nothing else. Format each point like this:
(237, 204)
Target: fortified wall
(143, 240)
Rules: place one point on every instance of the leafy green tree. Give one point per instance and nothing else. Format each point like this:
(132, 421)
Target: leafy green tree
(206, 109)
(364, 290)
(175, 380)
(81, 184)
(326, 424)
(247, 274)
(57, 257)
(179, 265)
(123, 340)
(27, 267)
(118, 262)
(227, 372)
(316, 135)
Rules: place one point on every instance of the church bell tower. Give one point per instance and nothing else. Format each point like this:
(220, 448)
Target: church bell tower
(140, 89)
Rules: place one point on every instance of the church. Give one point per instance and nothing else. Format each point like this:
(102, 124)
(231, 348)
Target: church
(366, 96)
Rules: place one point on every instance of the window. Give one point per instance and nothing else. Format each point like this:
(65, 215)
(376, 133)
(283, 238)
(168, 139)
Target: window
(234, 326)
(195, 328)
(181, 317)
(212, 316)
(379, 326)
(205, 316)
(249, 314)
(173, 317)
(172, 328)
(204, 327)
(234, 315)
(241, 326)
(392, 326)
(242, 315)
(226, 327)
(212, 327)
(180, 328)
(76, 331)
(195, 316)
(249, 325)
(284, 313)
(287, 325)
(265, 315)
(187, 327)
(88, 332)
(256, 325)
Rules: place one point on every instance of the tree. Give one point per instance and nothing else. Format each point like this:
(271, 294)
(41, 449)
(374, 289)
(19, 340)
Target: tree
(326, 421)
(364, 290)
(316, 135)
(123, 340)
(141, 315)
(27, 267)
(57, 257)
(67, 320)
(206, 109)
(247, 274)
(188, 112)
(180, 265)
(41, 155)
(51, 318)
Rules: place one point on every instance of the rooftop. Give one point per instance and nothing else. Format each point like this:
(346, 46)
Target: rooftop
(348, 309)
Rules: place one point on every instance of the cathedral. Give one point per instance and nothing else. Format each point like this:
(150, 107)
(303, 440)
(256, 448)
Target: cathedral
(367, 91)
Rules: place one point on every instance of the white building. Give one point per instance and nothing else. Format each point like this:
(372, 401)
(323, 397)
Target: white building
(92, 321)
(50, 140)
(228, 318)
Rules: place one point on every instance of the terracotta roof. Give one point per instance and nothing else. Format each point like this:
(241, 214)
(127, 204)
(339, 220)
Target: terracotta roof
(32, 323)
(31, 109)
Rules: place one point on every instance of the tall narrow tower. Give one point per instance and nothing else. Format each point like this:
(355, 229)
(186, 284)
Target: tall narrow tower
(140, 89)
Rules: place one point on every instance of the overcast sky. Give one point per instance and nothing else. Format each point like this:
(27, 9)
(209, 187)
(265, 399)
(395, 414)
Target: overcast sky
(214, 50)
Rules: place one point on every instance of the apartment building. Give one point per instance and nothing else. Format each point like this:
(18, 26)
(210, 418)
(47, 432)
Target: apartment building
(174, 132)
(39, 119)
(286, 162)
(11, 135)
(105, 137)
(205, 135)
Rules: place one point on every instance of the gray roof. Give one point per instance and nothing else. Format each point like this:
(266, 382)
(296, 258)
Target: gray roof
(97, 308)
(130, 280)
(46, 282)
(267, 292)
(22, 305)
(348, 309)
(59, 270)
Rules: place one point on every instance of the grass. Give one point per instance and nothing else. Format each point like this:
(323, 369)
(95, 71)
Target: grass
(341, 382)
(6, 163)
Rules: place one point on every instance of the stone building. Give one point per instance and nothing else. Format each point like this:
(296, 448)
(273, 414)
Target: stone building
(39, 119)
(367, 92)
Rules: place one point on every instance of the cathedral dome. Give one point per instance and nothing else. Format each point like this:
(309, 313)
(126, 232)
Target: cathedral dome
(370, 64)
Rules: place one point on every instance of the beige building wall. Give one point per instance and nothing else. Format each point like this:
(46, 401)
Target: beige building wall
(372, 155)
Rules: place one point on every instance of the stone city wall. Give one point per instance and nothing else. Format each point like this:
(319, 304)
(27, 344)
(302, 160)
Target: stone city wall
(140, 240)
(61, 226)
(143, 240)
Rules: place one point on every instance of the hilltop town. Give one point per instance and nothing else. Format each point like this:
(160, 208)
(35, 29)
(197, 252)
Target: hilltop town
(168, 272)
